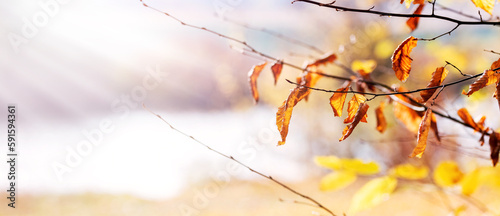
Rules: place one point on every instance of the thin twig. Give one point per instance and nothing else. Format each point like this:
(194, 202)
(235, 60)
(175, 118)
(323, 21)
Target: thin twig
(441, 35)
(319, 205)
(491, 51)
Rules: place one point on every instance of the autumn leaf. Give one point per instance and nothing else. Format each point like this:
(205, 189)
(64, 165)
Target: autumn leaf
(408, 116)
(337, 180)
(437, 79)
(401, 60)
(467, 118)
(489, 77)
(482, 176)
(412, 22)
(284, 113)
(497, 94)
(447, 173)
(486, 5)
(338, 99)
(276, 69)
(327, 58)
(495, 65)
(352, 108)
(331, 162)
(408, 2)
(252, 77)
(309, 79)
(494, 147)
(381, 122)
(359, 167)
(363, 67)
(373, 193)
(409, 171)
(360, 115)
(481, 139)
(423, 132)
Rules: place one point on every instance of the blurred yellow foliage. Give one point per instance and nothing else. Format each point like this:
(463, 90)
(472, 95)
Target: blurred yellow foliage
(373, 193)
(364, 67)
(409, 171)
(384, 49)
(337, 180)
(487, 176)
(354, 165)
(447, 173)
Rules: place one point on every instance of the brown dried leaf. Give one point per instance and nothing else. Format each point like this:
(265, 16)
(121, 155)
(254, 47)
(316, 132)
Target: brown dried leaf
(309, 79)
(481, 140)
(423, 132)
(494, 146)
(489, 77)
(284, 113)
(252, 78)
(338, 99)
(495, 64)
(467, 118)
(381, 122)
(434, 127)
(276, 69)
(327, 58)
(486, 5)
(408, 116)
(353, 107)
(437, 79)
(360, 115)
(401, 60)
(497, 94)
(412, 22)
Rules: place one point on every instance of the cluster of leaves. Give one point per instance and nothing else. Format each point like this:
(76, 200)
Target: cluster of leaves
(447, 175)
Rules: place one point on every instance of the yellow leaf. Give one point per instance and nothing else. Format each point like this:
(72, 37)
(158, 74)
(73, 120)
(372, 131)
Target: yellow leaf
(363, 67)
(337, 180)
(331, 162)
(360, 167)
(487, 176)
(486, 5)
(338, 99)
(447, 173)
(353, 165)
(373, 193)
(409, 171)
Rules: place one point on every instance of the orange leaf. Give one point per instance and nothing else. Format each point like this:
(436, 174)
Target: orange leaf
(284, 113)
(352, 108)
(481, 140)
(381, 122)
(401, 60)
(360, 114)
(486, 5)
(327, 58)
(408, 116)
(497, 93)
(494, 146)
(434, 127)
(276, 69)
(436, 80)
(338, 99)
(413, 21)
(467, 118)
(495, 64)
(489, 77)
(252, 77)
(309, 79)
(423, 132)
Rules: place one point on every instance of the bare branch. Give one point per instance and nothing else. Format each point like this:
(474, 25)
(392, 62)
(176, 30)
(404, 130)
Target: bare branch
(441, 35)
(319, 205)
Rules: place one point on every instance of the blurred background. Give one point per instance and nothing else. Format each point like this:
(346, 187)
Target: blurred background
(79, 72)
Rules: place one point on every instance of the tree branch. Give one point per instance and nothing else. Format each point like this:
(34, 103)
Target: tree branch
(316, 203)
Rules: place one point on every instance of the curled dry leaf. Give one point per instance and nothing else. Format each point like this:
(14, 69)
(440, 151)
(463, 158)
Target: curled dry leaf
(353, 108)
(447, 173)
(338, 99)
(408, 116)
(412, 22)
(437, 79)
(284, 113)
(276, 69)
(381, 122)
(486, 5)
(423, 132)
(401, 60)
(467, 118)
(327, 58)
(497, 93)
(494, 146)
(434, 127)
(309, 79)
(252, 77)
(489, 77)
(360, 114)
